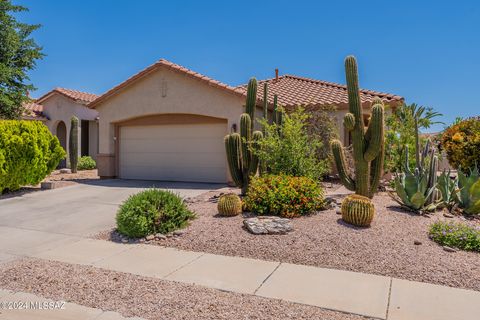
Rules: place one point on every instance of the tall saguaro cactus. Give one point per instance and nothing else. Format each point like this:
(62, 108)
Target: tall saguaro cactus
(242, 162)
(73, 144)
(368, 152)
(368, 145)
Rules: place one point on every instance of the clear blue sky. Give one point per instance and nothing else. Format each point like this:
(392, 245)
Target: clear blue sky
(426, 51)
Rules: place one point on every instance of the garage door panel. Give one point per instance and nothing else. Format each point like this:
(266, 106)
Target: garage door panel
(195, 145)
(154, 159)
(189, 152)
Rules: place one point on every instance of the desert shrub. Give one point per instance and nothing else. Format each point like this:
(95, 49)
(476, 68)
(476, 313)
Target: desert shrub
(284, 195)
(461, 143)
(152, 211)
(322, 125)
(456, 235)
(290, 150)
(400, 132)
(86, 163)
(28, 153)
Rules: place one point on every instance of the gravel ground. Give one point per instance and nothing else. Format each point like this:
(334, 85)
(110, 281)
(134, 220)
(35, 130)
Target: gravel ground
(150, 298)
(386, 248)
(67, 179)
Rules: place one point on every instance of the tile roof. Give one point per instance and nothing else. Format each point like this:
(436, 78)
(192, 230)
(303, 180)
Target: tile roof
(33, 111)
(174, 67)
(293, 91)
(78, 96)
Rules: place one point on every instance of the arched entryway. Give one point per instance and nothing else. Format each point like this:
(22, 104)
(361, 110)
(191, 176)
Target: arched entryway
(62, 137)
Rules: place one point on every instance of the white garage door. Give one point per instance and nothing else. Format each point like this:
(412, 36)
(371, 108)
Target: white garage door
(179, 152)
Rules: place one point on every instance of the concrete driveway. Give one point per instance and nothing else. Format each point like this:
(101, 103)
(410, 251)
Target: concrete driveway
(42, 220)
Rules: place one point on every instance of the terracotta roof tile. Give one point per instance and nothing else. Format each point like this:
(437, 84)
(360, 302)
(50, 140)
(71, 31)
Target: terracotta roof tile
(78, 96)
(174, 67)
(293, 91)
(33, 111)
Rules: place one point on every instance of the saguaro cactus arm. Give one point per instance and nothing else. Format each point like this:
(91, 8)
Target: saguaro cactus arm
(251, 98)
(73, 144)
(341, 164)
(374, 133)
(232, 146)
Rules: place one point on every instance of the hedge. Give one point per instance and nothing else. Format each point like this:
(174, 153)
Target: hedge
(28, 153)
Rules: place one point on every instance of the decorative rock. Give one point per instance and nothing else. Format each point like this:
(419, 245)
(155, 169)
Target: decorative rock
(169, 235)
(65, 170)
(150, 237)
(124, 240)
(417, 243)
(448, 215)
(141, 240)
(449, 249)
(338, 210)
(268, 225)
(178, 233)
(160, 236)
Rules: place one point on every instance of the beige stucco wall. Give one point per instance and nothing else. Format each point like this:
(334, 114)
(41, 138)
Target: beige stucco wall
(60, 108)
(163, 92)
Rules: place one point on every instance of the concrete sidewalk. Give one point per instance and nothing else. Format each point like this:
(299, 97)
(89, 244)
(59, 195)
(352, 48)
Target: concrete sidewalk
(364, 294)
(26, 306)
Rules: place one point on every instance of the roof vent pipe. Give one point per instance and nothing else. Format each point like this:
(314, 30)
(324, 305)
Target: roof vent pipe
(276, 74)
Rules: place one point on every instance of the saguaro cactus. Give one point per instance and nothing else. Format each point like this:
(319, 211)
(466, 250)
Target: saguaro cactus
(241, 161)
(368, 151)
(368, 145)
(73, 144)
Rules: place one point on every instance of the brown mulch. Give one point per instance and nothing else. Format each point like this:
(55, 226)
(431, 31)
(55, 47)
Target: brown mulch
(150, 298)
(324, 240)
(67, 179)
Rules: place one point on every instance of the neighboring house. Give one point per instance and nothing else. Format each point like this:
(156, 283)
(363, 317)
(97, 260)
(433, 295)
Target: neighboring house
(57, 107)
(168, 122)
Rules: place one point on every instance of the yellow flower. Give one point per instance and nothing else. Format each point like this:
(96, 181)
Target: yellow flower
(457, 137)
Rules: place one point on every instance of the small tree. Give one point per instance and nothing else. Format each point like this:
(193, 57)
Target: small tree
(401, 133)
(291, 150)
(18, 55)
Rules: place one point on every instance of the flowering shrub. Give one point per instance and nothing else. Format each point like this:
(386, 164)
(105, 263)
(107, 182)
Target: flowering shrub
(461, 143)
(284, 195)
(457, 235)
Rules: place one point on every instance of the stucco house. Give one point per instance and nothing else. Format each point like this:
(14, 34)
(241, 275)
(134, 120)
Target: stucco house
(168, 122)
(57, 107)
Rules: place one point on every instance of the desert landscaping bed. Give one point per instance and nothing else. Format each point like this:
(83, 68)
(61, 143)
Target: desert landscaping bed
(149, 298)
(396, 244)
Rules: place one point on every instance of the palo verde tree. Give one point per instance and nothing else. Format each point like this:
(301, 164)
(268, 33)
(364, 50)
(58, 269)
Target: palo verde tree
(18, 55)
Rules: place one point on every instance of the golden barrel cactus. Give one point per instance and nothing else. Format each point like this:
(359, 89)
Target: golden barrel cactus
(229, 205)
(358, 210)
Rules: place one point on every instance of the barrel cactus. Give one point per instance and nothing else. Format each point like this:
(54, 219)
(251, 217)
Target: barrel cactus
(243, 163)
(73, 144)
(368, 145)
(229, 205)
(469, 195)
(358, 210)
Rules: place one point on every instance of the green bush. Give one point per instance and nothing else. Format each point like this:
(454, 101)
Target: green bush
(152, 211)
(290, 149)
(284, 195)
(86, 163)
(461, 143)
(28, 153)
(456, 235)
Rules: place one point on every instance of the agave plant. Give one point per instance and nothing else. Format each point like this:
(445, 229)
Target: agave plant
(417, 190)
(469, 194)
(449, 189)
